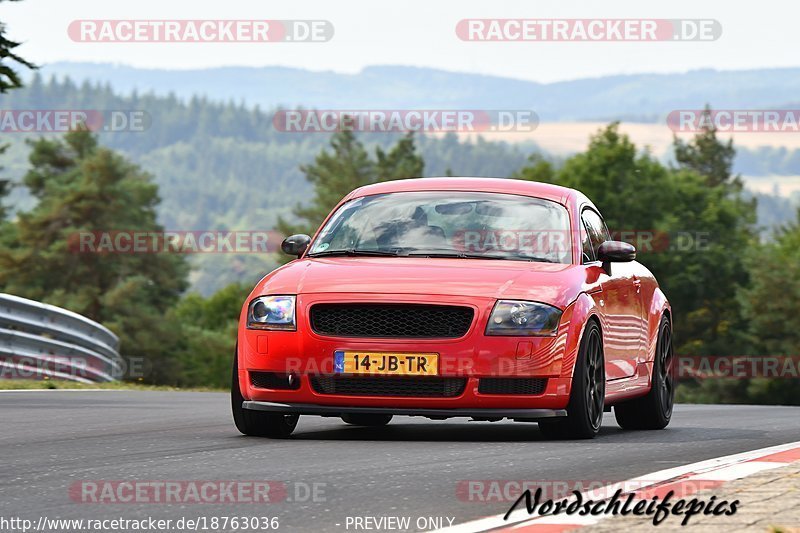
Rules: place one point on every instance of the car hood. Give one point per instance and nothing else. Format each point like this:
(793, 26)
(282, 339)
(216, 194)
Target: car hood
(556, 284)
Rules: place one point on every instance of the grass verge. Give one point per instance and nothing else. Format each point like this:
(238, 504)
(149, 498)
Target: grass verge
(30, 384)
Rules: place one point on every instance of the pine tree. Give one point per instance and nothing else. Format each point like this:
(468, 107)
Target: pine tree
(348, 166)
(401, 162)
(9, 79)
(82, 188)
(708, 156)
(5, 188)
(714, 314)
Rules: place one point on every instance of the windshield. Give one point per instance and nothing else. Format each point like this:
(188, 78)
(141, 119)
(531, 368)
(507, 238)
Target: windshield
(449, 224)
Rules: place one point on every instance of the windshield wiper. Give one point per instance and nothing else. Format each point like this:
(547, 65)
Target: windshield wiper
(352, 252)
(467, 255)
(457, 255)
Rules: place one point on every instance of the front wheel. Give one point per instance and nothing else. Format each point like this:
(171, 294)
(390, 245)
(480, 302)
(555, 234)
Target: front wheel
(654, 410)
(255, 423)
(587, 398)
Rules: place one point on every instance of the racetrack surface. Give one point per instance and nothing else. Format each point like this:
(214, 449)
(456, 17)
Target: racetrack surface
(52, 439)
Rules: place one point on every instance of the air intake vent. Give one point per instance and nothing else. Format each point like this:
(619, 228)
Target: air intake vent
(409, 321)
(512, 386)
(420, 387)
(272, 380)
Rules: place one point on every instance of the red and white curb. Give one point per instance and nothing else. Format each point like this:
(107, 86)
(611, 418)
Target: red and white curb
(684, 480)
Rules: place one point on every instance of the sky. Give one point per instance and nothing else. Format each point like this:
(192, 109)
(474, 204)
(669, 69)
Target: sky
(420, 33)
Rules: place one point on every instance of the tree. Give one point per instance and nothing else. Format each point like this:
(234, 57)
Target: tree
(708, 227)
(711, 230)
(82, 188)
(772, 311)
(349, 166)
(772, 300)
(401, 162)
(249, 174)
(538, 169)
(5, 188)
(630, 188)
(9, 79)
(209, 335)
(708, 156)
(716, 206)
(333, 175)
(770, 324)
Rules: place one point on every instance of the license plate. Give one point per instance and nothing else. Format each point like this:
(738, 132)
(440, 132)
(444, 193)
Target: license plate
(384, 363)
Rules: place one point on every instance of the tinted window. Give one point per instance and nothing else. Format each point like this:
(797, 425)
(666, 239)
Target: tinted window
(598, 234)
(450, 222)
(588, 253)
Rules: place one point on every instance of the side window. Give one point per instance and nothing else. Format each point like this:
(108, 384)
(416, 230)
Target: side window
(598, 234)
(588, 253)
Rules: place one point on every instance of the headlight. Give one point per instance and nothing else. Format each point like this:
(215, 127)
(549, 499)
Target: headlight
(515, 317)
(272, 312)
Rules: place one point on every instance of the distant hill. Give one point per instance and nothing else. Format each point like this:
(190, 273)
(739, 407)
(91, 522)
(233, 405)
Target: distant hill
(224, 166)
(635, 97)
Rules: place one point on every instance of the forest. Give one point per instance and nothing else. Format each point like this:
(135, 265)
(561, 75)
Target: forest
(201, 165)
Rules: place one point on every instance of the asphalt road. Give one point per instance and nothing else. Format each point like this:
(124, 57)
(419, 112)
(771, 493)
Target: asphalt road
(49, 440)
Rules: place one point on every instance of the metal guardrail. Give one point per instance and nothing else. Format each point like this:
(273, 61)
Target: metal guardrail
(44, 341)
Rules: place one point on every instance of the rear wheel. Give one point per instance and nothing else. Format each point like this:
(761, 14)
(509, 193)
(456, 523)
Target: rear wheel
(367, 420)
(654, 410)
(587, 398)
(255, 423)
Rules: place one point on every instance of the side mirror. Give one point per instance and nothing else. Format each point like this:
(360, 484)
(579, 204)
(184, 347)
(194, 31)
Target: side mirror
(296, 244)
(616, 252)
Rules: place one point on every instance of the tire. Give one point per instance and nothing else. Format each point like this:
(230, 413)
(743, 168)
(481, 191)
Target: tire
(587, 397)
(367, 420)
(654, 410)
(255, 423)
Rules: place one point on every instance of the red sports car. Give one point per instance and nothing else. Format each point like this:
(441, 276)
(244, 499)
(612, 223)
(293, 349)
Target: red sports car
(457, 297)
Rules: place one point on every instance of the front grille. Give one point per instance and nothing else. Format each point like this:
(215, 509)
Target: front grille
(416, 321)
(519, 386)
(421, 387)
(272, 380)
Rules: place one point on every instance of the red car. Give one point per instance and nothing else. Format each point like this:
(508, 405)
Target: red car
(457, 297)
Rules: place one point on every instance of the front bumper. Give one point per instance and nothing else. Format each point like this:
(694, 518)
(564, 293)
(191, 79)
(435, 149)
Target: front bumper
(305, 353)
(554, 396)
(528, 415)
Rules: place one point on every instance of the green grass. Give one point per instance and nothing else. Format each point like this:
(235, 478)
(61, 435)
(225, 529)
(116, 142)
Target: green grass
(22, 384)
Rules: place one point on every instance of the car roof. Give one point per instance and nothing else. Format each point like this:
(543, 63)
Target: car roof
(535, 189)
